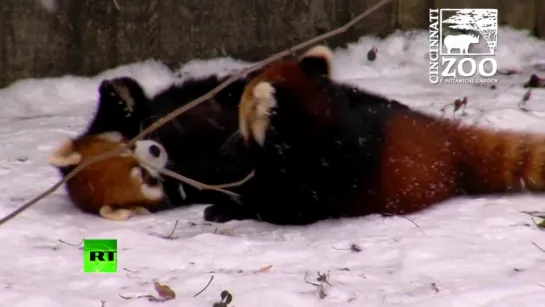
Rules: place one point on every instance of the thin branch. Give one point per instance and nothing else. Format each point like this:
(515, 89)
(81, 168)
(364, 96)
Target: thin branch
(192, 104)
(539, 247)
(71, 244)
(197, 184)
(208, 284)
(170, 235)
(408, 219)
(236, 183)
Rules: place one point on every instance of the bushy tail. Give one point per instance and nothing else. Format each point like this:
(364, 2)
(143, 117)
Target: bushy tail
(501, 161)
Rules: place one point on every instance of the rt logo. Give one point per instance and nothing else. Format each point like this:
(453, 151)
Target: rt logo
(449, 52)
(99, 256)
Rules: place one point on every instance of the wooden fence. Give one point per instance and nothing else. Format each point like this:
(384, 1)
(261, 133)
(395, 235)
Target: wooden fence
(84, 37)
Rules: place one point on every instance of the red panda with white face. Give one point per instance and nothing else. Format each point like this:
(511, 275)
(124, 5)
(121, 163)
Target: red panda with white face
(319, 156)
(115, 188)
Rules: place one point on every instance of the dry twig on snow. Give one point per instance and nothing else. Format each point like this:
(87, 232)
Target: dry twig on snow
(185, 108)
(323, 282)
(208, 284)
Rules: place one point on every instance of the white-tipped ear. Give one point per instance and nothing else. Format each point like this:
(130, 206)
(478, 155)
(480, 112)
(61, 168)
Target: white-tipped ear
(318, 59)
(255, 109)
(320, 51)
(113, 136)
(65, 155)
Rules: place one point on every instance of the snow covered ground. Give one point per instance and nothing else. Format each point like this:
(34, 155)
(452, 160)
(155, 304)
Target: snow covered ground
(464, 252)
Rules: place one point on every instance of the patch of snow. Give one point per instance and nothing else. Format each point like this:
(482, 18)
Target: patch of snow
(464, 252)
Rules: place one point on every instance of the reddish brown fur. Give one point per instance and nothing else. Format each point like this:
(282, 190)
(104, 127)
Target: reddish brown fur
(426, 161)
(106, 183)
(502, 161)
(417, 167)
(407, 162)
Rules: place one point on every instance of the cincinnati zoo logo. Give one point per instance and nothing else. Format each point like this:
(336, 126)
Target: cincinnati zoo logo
(462, 46)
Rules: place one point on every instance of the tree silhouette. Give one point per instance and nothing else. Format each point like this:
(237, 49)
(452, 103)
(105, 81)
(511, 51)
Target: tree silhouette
(484, 21)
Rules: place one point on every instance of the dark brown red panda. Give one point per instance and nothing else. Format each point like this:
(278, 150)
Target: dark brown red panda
(317, 155)
(115, 188)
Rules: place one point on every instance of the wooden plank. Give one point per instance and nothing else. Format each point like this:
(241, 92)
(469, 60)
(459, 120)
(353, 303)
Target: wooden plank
(292, 22)
(206, 28)
(413, 14)
(467, 4)
(33, 41)
(99, 33)
(539, 26)
(518, 14)
(91, 42)
(137, 30)
(381, 22)
(4, 68)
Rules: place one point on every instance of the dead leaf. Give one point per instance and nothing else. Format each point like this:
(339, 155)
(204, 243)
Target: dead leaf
(164, 291)
(264, 269)
(355, 248)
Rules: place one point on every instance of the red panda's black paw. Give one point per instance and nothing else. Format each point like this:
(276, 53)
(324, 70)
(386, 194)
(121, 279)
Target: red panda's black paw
(117, 97)
(225, 213)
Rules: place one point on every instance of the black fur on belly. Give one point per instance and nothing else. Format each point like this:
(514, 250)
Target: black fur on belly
(316, 144)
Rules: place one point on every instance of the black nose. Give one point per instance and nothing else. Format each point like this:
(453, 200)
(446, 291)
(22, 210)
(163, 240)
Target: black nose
(155, 151)
(133, 147)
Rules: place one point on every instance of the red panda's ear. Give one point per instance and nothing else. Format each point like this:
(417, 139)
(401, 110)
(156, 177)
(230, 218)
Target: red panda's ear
(254, 111)
(317, 61)
(65, 155)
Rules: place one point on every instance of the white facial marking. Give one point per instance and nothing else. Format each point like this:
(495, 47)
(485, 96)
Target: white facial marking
(152, 192)
(136, 173)
(264, 101)
(143, 152)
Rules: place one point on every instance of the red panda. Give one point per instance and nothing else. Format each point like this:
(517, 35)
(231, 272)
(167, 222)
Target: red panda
(203, 143)
(317, 155)
(116, 188)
